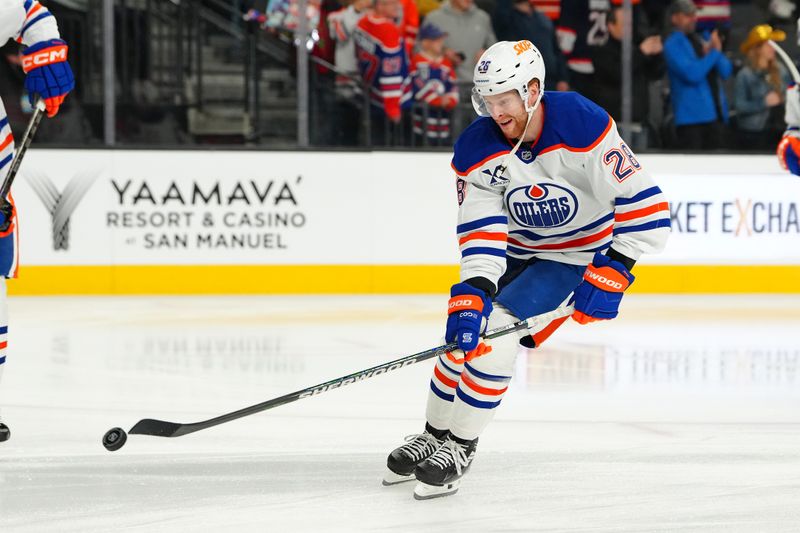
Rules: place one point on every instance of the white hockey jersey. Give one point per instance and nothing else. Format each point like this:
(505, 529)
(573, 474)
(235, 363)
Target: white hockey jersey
(576, 190)
(26, 21)
(792, 114)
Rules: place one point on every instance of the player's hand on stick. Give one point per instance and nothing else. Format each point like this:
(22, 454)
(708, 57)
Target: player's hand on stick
(49, 76)
(6, 215)
(467, 315)
(599, 294)
(789, 154)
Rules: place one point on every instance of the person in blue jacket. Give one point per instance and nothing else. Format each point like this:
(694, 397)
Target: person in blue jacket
(696, 69)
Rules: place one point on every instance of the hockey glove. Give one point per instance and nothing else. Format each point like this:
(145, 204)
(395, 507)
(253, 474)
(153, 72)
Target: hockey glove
(467, 313)
(788, 153)
(6, 216)
(599, 294)
(49, 75)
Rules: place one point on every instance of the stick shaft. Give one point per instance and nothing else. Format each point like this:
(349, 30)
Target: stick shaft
(30, 131)
(171, 429)
(787, 61)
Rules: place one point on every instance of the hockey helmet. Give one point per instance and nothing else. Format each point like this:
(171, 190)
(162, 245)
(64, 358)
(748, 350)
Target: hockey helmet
(507, 66)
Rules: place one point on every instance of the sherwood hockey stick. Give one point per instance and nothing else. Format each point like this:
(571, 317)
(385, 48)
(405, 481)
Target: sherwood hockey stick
(786, 61)
(116, 437)
(30, 131)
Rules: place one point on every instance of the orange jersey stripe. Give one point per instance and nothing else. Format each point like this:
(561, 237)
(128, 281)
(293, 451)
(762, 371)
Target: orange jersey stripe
(483, 235)
(444, 379)
(36, 7)
(8, 140)
(643, 212)
(465, 379)
(567, 244)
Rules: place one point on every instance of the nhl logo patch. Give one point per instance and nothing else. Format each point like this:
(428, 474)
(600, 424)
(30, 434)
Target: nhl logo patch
(526, 155)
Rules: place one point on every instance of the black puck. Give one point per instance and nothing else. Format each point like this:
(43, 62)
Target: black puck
(114, 439)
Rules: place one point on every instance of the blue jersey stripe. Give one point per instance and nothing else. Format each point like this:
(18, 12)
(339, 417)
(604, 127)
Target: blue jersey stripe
(535, 237)
(28, 4)
(662, 223)
(440, 394)
(34, 21)
(481, 250)
(521, 251)
(647, 193)
(3, 123)
(466, 398)
(483, 375)
(6, 161)
(2, 360)
(3, 330)
(481, 222)
(447, 366)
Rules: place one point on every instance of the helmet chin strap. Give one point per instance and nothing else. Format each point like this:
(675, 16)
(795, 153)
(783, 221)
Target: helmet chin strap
(510, 154)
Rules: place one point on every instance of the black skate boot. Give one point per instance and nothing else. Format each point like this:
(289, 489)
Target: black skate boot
(441, 473)
(403, 460)
(5, 433)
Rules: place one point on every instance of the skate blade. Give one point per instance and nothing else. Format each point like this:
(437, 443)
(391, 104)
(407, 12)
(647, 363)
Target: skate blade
(390, 478)
(427, 492)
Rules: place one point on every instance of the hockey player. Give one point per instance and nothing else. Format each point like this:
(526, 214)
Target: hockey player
(383, 63)
(49, 77)
(789, 146)
(553, 207)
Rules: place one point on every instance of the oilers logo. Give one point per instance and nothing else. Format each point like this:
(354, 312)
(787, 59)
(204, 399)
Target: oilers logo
(543, 205)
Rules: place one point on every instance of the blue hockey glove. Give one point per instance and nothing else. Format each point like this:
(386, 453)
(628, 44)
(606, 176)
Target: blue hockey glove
(49, 76)
(599, 294)
(467, 313)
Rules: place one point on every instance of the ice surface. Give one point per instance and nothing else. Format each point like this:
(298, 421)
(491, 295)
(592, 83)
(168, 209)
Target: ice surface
(682, 415)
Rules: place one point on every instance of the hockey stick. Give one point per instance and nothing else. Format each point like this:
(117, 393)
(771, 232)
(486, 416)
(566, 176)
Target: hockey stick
(30, 131)
(160, 428)
(787, 61)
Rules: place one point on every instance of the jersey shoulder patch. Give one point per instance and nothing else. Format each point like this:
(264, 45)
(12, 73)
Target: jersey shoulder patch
(480, 142)
(572, 122)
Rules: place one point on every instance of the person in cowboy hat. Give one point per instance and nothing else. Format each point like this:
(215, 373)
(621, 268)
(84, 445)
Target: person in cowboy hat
(758, 90)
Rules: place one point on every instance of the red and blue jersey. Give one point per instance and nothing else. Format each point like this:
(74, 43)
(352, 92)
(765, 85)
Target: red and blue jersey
(713, 15)
(575, 190)
(433, 87)
(382, 62)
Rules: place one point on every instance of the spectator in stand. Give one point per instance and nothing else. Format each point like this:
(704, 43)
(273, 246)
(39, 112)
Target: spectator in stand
(648, 64)
(759, 89)
(433, 82)
(383, 65)
(582, 27)
(469, 34)
(517, 20)
(408, 22)
(696, 69)
(549, 8)
(341, 26)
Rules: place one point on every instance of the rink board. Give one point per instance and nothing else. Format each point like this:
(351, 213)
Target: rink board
(224, 222)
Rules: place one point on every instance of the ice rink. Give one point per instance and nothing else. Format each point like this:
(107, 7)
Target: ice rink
(682, 415)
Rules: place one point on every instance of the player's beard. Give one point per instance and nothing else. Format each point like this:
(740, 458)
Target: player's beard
(513, 126)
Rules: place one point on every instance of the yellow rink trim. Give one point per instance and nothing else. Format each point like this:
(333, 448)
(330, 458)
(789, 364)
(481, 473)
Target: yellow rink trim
(362, 279)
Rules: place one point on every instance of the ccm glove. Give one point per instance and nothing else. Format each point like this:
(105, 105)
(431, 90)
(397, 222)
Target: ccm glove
(49, 76)
(788, 152)
(467, 314)
(599, 294)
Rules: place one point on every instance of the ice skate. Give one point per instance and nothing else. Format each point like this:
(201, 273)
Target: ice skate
(402, 461)
(440, 474)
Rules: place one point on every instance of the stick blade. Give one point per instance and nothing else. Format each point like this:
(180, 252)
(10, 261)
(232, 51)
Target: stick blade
(156, 428)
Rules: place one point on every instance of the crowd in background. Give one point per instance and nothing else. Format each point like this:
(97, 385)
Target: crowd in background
(699, 82)
(399, 72)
